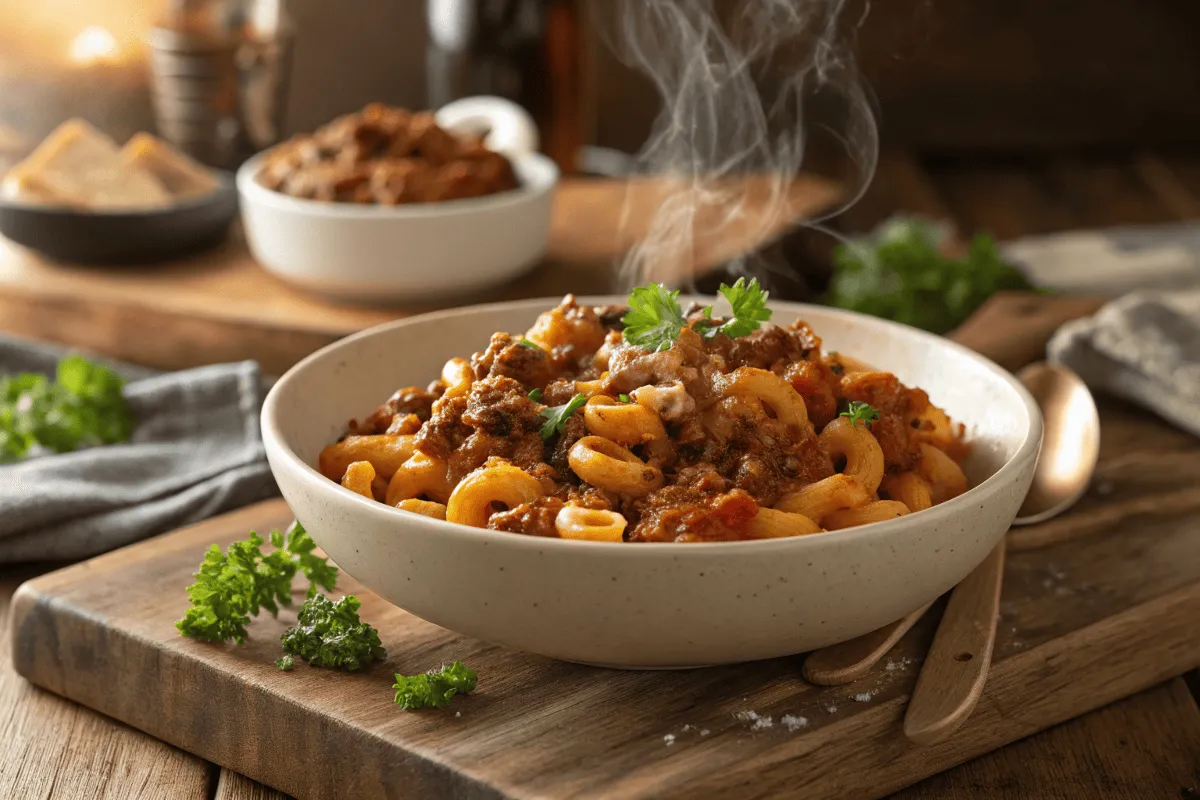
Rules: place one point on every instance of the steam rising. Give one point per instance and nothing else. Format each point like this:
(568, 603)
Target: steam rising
(743, 99)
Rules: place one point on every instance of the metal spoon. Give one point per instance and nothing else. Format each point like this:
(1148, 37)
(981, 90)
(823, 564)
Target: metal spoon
(1070, 448)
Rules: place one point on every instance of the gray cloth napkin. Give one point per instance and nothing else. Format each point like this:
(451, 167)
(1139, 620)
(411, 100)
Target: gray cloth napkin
(195, 452)
(1145, 348)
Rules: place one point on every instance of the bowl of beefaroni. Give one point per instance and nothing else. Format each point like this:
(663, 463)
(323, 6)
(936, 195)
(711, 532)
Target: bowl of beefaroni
(653, 481)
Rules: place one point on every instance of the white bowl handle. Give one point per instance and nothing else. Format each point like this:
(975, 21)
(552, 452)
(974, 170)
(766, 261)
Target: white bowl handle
(510, 128)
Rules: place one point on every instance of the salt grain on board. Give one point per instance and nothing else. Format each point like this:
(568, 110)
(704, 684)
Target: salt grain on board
(758, 722)
(793, 723)
(669, 739)
(863, 697)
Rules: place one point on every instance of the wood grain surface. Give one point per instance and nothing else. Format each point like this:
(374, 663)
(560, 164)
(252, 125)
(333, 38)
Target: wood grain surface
(221, 306)
(1142, 748)
(1078, 629)
(54, 748)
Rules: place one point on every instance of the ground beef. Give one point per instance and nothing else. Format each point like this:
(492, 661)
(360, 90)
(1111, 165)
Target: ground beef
(409, 400)
(898, 442)
(501, 407)
(445, 429)
(572, 432)
(507, 357)
(817, 384)
(532, 519)
(691, 513)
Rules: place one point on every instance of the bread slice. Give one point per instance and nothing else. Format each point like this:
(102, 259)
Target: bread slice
(180, 175)
(79, 166)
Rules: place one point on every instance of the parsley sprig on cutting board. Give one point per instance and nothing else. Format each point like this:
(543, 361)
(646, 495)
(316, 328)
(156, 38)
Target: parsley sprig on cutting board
(234, 585)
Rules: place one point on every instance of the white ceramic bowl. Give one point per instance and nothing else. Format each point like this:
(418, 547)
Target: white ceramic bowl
(649, 605)
(413, 252)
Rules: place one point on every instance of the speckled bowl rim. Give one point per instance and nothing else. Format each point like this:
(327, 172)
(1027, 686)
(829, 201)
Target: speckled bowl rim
(312, 480)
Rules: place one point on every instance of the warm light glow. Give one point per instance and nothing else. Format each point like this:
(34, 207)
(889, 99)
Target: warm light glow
(94, 45)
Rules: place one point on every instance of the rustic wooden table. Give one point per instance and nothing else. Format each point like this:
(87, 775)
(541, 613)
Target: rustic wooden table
(1146, 746)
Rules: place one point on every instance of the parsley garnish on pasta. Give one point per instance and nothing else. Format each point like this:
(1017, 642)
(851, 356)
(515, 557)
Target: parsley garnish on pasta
(655, 318)
(749, 304)
(556, 416)
(860, 412)
(526, 343)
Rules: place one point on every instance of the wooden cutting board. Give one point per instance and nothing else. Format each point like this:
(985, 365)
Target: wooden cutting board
(1097, 605)
(222, 306)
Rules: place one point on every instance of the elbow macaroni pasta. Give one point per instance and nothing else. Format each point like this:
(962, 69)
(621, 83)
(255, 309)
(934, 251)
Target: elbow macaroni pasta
(420, 475)
(589, 524)
(610, 466)
(707, 439)
(359, 477)
(769, 391)
(771, 523)
(909, 488)
(864, 457)
(425, 508)
(626, 424)
(473, 501)
(385, 452)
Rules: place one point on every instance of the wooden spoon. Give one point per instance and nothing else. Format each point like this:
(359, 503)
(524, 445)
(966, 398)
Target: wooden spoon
(956, 667)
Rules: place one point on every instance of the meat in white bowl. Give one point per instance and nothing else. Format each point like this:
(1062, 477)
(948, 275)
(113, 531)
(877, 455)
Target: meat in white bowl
(412, 252)
(656, 605)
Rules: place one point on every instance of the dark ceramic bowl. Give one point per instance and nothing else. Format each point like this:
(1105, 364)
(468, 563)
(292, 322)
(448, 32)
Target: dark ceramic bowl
(123, 237)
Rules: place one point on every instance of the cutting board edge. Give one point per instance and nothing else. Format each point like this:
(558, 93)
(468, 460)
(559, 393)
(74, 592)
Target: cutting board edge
(37, 611)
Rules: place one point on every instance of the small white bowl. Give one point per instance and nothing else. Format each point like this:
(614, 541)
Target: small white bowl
(406, 253)
(650, 605)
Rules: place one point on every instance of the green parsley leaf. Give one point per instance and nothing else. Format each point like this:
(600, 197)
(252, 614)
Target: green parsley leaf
(232, 586)
(898, 272)
(860, 412)
(654, 319)
(286, 663)
(330, 634)
(556, 416)
(749, 304)
(315, 568)
(624, 398)
(536, 395)
(83, 406)
(527, 343)
(434, 689)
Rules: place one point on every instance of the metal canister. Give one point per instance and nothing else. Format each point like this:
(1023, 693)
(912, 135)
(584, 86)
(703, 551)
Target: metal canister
(219, 79)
